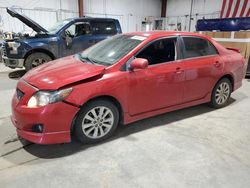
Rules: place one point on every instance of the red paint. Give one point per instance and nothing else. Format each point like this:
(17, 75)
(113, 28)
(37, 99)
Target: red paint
(243, 8)
(236, 8)
(142, 93)
(229, 8)
(223, 8)
(248, 13)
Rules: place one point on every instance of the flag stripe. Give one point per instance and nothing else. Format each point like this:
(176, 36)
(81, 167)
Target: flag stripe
(236, 8)
(226, 7)
(243, 8)
(229, 8)
(223, 8)
(248, 13)
(239, 9)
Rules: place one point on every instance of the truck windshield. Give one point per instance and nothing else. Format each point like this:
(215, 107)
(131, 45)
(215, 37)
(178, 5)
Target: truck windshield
(111, 50)
(57, 26)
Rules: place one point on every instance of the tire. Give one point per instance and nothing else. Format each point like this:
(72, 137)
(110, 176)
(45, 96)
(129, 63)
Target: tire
(36, 59)
(221, 93)
(97, 126)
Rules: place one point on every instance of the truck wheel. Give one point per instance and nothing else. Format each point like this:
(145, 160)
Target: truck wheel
(96, 121)
(36, 59)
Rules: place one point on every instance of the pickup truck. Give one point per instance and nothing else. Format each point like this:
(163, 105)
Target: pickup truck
(65, 38)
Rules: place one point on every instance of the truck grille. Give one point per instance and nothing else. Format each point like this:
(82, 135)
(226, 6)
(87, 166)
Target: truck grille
(19, 94)
(4, 53)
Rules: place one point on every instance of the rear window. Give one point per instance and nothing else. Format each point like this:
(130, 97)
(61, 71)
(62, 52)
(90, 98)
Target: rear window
(196, 47)
(103, 27)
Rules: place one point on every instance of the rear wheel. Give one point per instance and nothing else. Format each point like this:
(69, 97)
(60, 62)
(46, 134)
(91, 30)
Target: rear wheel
(96, 121)
(36, 59)
(221, 93)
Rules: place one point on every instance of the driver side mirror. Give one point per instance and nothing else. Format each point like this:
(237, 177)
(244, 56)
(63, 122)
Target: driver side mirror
(68, 39)
(138, 63)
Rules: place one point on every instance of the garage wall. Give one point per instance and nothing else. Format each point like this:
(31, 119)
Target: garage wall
(178, 12)
(130, 13)
(45, 12)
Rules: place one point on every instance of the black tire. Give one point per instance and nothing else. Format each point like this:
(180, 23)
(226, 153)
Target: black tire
(36, 59)
(214, 103)
(80, 132)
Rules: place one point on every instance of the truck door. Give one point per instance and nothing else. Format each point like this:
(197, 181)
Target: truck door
(76, 38)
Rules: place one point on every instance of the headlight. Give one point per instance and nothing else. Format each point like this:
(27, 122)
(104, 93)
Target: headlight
(14, 46)
(43, 98)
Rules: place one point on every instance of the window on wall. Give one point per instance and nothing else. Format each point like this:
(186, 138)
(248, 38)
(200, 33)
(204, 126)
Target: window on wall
(160, 51)
(103, 27)
(196, 47)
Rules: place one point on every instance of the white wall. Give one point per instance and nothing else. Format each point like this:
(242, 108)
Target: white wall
(129, 12)
(45, 12)
(177, 9)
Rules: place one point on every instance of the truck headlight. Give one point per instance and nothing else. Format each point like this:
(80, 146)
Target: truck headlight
(43, 98)
(14, 46)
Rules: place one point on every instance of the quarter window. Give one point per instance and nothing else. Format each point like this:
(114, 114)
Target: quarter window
(160, 51)
(196, 47)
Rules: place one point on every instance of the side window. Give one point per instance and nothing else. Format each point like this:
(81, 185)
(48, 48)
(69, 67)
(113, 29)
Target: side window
(78, 29)
(103, 27)
(196, 47)
(160, 51)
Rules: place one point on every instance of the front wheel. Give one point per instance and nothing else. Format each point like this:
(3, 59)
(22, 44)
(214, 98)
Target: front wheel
(96, 121)
(36, 59)
(221, 93)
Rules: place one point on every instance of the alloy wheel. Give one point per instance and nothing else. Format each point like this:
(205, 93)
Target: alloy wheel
(97, 122)
(37, 62)
(222, 93)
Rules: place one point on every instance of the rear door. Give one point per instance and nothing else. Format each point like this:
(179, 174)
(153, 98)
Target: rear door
(202, 65)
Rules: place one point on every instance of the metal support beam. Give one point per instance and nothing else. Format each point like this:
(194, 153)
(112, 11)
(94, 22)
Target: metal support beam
(163, 8)
(190, 15)
(80, 7)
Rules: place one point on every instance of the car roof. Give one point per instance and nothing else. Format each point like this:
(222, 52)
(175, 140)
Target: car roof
(89, 18)
(157, 34)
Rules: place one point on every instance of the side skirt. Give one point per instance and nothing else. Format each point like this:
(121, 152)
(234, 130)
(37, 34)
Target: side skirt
(129, 119)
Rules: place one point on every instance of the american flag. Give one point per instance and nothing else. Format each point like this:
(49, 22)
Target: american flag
(235, 8)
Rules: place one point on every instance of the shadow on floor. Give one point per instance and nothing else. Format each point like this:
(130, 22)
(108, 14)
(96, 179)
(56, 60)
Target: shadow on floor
(16, 74)
(61, 150)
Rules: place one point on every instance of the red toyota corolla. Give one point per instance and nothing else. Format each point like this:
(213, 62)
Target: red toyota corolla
(121, 80)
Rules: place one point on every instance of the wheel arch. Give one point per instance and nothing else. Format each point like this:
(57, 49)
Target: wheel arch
(103, 97)
(41, 50)
(229, 77)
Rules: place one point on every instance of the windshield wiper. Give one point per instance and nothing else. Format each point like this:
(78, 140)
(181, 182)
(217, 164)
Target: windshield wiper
(86, 59)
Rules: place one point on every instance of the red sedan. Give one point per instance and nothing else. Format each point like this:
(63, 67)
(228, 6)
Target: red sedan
(121, 80)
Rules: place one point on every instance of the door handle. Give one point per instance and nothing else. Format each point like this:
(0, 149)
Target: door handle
(217, 64)
(178, 70)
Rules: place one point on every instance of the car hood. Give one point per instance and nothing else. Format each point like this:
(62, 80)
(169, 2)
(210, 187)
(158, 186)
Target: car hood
(29, 22)
(61, 72)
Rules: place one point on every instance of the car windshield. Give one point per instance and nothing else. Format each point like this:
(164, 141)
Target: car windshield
(111, 50)
(57, 26)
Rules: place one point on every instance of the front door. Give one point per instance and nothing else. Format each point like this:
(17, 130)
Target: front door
(161, 84)
(76, 38)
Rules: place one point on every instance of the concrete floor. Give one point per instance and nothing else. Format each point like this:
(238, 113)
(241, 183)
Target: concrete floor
(194, 147)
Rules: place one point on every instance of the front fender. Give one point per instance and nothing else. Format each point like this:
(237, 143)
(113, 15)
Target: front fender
(112, 85)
